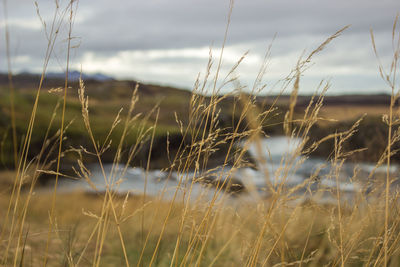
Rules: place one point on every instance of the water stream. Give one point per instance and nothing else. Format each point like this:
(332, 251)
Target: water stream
(280, 168)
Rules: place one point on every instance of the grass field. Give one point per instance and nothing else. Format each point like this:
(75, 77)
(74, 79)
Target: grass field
(278, 227)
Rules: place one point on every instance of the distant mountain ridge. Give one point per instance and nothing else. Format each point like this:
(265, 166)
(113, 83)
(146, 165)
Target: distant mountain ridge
(108, 86)
(100, 84)
(75, 75)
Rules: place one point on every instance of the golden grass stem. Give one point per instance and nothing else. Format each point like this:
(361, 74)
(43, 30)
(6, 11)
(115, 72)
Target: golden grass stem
(11, 85)
(52, 216)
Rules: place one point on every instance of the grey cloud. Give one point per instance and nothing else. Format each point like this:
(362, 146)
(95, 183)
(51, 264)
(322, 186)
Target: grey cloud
(107, 27)
(123, 25)
(176, 24)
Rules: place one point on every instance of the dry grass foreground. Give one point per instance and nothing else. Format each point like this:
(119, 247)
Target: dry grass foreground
(278, 229)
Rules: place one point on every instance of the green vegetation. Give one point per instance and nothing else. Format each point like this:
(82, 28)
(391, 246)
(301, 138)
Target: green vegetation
(109, 98)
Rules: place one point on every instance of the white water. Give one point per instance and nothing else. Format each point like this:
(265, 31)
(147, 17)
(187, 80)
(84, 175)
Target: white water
(279, 167)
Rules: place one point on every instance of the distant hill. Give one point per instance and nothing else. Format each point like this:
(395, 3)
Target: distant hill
(339, 100)
(75, 75)
(106, 86)
(108, 96)
(102, 85)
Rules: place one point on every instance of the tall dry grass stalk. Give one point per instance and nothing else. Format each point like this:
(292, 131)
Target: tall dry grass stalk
(11, 85)
(62, 127)
(15, 206)
(390, 78)
(281, 225)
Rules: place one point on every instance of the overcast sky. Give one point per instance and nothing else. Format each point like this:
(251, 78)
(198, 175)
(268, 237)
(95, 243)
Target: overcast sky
(167, 42)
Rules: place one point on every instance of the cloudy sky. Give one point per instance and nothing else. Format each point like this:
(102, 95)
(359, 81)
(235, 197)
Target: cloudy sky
(168, 42)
